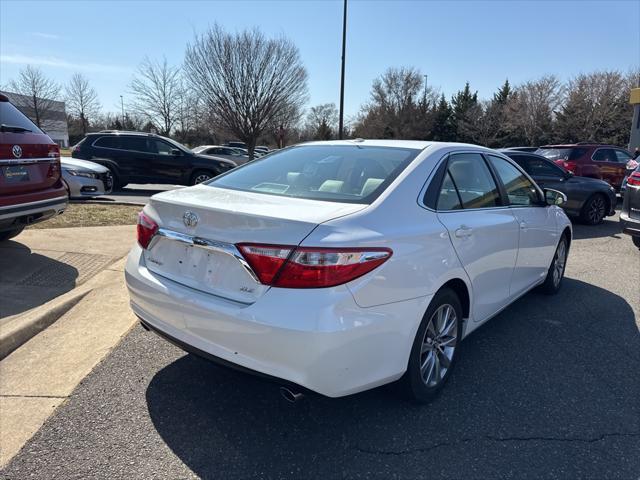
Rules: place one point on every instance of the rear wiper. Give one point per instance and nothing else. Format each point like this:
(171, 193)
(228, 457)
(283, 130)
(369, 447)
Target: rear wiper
(13, 128)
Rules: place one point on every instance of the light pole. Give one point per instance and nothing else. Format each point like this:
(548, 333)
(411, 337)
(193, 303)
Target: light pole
(122, 105)
(425, 90)
(344, 43)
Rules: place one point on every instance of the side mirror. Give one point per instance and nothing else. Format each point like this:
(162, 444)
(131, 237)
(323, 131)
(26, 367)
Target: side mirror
(554, 197)
(176, 152)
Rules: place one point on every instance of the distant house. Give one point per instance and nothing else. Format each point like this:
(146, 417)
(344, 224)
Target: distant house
(53, 122)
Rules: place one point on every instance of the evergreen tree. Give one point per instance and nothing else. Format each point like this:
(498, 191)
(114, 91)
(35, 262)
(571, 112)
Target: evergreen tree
(462, 104)
(442, 130)
(503, 94)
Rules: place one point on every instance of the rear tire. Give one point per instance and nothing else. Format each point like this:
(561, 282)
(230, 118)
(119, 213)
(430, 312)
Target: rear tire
(434, 351)
(594, 210)
(555, 274)
(200, 176)
(9, 234)
(636, 241)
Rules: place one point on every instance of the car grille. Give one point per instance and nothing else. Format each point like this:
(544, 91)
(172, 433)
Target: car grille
(107, 181)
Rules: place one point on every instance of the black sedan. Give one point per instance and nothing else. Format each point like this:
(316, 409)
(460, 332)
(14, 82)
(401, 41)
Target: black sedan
(589, 199)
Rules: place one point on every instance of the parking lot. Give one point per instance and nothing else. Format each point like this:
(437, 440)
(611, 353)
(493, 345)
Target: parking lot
(548, 389)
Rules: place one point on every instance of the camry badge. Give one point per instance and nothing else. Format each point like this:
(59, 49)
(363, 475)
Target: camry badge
(190, 219)
(17, 151)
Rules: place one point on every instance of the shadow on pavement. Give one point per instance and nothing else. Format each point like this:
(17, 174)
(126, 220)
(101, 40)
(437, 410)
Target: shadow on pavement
(548, 387)
(29, 279)
(610, 227)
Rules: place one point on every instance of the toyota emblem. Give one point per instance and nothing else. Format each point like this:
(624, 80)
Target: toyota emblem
(190, 219)
(17, 151)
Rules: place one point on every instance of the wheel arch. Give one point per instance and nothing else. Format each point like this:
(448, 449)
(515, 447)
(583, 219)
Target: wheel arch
(460, 288)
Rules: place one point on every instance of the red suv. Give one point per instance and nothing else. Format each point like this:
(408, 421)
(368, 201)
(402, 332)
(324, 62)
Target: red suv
(31, 188)
(594, 160)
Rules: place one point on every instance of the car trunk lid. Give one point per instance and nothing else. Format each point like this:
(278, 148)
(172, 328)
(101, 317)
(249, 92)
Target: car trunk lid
(201, 225)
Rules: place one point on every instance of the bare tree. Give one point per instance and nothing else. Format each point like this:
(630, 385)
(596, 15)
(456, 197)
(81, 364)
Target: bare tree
(322, 121)
(82, 100)
(41, 94)
(246, 80)
(157, 89)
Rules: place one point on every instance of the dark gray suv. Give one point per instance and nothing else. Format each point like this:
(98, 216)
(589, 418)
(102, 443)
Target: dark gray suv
(136, 157)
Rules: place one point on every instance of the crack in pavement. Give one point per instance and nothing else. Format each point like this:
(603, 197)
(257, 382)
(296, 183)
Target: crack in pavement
(435, 446)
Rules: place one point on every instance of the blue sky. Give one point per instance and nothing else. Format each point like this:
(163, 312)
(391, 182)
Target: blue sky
(482, 42)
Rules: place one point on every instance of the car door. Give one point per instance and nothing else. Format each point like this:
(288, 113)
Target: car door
(135, 150)
(611, 170)
(169, 162)
(538, 233)
(484, 233)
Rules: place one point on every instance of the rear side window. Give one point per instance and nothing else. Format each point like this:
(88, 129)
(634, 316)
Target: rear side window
(563, 153)
(623, 157)
(335, 173)
(10, 116)
(605, 155)
(519, 188)
(472, 180)
(538, 167)
(138, 144)
(107, 142)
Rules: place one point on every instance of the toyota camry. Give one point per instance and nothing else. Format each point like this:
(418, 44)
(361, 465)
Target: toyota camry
(340, 266)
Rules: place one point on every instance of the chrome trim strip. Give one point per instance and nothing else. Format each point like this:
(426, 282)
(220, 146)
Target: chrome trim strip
(214, 245)
(22, 161)
(35, 204)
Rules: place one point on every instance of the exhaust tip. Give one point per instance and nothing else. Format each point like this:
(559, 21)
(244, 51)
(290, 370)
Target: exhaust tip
(290, 396)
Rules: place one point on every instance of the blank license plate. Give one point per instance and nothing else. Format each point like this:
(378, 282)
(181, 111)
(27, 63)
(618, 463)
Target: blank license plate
(16, 174)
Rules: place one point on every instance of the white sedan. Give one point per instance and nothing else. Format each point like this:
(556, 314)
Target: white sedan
(340, 266)
(85, 179)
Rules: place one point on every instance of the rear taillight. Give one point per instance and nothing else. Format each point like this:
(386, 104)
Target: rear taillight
(634, 179)
(571, 166)
(310, 267)
(54, 169)
(146, 229)
(54, 151)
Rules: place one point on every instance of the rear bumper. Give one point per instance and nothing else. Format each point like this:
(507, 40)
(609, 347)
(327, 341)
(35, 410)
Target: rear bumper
(13, 216)
(630, 226)
(319, 339)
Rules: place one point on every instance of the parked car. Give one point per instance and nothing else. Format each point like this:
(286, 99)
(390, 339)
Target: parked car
(85, 179)
(589, 199)
(630, 214)
(605, 162)
(135, 157)
(237, 144)
(333, 267)
(630, 167)
(220, 151)
(31, 188)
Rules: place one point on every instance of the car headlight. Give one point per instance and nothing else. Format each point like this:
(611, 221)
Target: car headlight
(81, 173)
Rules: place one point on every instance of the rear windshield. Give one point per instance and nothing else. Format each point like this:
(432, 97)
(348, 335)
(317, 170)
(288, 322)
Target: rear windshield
(567, 153)
(345, 173)
(10, 116)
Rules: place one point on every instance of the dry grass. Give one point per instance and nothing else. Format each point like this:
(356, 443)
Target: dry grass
(92, 215)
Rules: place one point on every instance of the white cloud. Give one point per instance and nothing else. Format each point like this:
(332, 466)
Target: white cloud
(48, 36)
(61, 63)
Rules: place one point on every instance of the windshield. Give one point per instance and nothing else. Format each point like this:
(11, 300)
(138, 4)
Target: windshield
(345, 173)
(561, 153)
(199, 149)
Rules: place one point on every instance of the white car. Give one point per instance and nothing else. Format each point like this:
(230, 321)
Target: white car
(84, 178)
(340, 266)
(221, 151)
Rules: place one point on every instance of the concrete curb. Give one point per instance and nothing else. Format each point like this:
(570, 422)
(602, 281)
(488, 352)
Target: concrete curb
(26, 326)
(19, 330)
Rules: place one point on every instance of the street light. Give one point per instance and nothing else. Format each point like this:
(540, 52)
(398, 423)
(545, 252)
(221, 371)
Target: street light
(344, 42)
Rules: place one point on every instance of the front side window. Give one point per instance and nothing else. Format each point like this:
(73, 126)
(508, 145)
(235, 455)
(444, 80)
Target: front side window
(335, 173)
(538, 167)
(160, 147)
(605, 155)
(473, 181)
(520, 190)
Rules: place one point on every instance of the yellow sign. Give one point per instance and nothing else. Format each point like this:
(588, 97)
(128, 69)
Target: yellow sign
(635, 96)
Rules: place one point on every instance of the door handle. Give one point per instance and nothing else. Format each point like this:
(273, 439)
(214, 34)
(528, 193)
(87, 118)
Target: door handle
(523, 225)
(463, 231)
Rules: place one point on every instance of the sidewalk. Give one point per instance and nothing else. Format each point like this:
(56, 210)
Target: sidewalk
(90, 320)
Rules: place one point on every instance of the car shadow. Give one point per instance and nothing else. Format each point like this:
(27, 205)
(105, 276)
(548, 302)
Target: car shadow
(29, 279)
(610, 227)
(548, 369)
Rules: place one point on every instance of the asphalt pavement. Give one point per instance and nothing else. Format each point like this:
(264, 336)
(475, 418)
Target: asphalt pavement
(550, 388)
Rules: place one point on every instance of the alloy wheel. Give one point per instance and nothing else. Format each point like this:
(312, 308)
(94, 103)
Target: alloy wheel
(596, 210)
(203, 177)
(438, 345)
(559, 262)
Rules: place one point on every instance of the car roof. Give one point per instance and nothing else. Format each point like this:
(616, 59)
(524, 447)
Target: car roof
(414, 144)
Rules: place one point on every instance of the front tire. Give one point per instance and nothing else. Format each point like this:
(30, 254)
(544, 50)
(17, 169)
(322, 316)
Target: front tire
(9, 234)
(434, 351)
(594, 210)
(555, 274)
